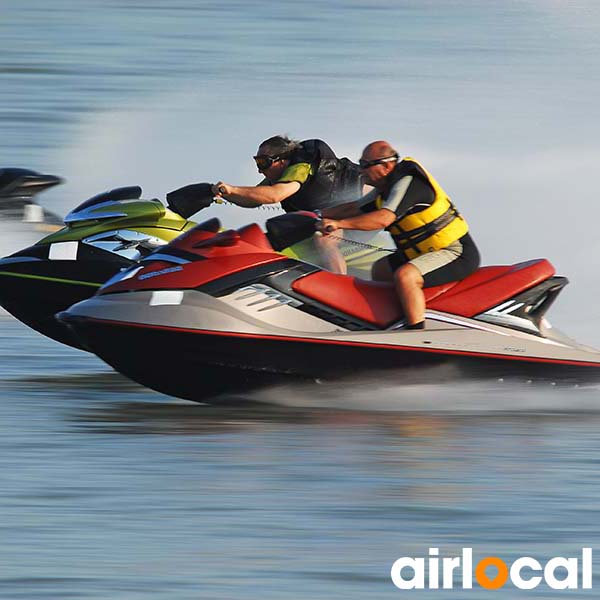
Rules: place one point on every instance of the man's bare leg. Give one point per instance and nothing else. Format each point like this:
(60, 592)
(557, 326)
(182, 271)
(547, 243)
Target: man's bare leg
(329, 251)
(409, 287)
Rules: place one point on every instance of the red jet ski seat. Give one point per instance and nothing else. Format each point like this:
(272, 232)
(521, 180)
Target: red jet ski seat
(376, 302)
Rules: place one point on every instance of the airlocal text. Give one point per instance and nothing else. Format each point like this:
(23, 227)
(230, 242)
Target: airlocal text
(491, 572)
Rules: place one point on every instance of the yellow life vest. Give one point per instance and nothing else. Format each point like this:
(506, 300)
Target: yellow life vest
(433, 228)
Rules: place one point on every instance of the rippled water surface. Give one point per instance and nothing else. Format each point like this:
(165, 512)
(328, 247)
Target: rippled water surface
(113, 491)
(109, 490)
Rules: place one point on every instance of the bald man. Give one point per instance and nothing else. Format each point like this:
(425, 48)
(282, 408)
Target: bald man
(433, 243)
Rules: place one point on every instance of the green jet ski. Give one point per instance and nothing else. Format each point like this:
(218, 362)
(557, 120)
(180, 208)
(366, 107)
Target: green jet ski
(107, 234)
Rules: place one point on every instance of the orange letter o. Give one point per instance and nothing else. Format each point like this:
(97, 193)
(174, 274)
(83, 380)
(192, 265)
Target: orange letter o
(483, 580)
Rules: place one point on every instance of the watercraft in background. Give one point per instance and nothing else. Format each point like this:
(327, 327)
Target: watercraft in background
(222, 311)
(22, 219)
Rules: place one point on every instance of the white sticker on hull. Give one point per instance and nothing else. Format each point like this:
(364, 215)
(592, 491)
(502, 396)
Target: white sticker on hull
(63, 251)
(166, 298)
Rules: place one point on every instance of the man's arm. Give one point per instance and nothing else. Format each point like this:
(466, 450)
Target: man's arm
(405, 194)
(350, 209)
(250, 197)
(378, 219)
(341, 211)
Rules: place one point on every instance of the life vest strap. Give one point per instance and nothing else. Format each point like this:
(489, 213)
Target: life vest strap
(415, 236)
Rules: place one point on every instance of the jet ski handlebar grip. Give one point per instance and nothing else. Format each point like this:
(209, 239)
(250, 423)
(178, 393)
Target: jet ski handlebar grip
(328, 229)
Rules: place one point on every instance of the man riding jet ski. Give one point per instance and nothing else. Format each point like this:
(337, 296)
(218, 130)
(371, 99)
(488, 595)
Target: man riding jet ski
(215, 312)
(434, 246)
(301, 176)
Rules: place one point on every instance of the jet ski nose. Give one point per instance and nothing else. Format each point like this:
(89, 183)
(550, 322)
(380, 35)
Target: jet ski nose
(24, 182)
(42, 180)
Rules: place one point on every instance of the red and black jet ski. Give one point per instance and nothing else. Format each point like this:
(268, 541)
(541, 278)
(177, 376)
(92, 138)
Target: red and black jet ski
(220, 311)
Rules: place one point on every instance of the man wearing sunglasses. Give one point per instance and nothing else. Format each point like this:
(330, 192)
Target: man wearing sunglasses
(434, 246)
(300, 175)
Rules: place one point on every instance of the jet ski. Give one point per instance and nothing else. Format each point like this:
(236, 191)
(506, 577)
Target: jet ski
(101, 237)
(109, 233)
(22, 219)
(219, 311)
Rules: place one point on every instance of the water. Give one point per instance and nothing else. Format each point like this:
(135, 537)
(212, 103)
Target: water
(109, 490)
(112, 491)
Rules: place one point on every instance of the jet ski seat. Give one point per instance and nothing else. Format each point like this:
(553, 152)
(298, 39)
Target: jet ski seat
(490, 286)
(376, 302)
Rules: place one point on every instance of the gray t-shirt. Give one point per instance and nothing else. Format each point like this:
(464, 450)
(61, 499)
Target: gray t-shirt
(409, 194)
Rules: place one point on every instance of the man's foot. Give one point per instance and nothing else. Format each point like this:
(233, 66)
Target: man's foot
(419, 325)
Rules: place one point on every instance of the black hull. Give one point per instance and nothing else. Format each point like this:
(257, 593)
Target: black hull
(199, 366)
(34, 292)
(39, 314)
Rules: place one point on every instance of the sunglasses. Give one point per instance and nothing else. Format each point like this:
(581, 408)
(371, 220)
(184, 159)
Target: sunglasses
(367, 164)
(263, 162)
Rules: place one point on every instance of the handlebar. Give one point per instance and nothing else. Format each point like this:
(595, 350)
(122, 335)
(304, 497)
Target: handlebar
(328, 229)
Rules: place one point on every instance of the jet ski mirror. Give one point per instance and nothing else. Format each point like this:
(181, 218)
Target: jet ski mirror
(130, 192)
(188, 200)
(289, 229)
(87, 210)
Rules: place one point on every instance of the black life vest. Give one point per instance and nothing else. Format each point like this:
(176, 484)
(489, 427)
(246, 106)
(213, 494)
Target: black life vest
(333, 181)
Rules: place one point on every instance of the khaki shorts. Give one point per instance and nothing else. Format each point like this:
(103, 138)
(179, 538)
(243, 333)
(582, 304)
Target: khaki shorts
(435, 260)
(453, 263)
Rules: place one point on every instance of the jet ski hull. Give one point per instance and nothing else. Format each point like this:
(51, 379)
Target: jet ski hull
(33, 287)
(33, 291)
(228, 351)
